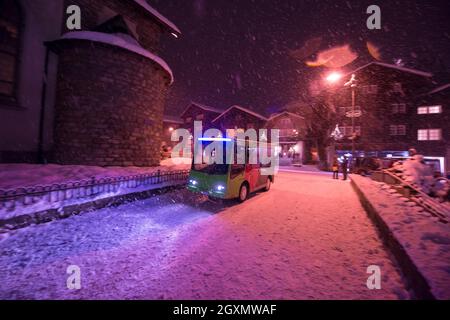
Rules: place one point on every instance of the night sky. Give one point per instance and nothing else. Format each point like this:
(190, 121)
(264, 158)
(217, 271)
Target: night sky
(240, 51)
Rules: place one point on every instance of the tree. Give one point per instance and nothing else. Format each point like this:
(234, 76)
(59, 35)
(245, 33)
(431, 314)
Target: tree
(320, 116)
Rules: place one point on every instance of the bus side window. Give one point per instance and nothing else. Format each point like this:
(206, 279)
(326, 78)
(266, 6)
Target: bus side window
(236, 169)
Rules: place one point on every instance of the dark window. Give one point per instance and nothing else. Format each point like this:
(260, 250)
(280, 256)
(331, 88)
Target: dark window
(10, 21)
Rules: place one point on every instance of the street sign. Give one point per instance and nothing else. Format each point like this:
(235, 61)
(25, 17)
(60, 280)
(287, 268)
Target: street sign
(353, 114)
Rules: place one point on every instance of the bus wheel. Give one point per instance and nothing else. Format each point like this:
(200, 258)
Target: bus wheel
(243, 192)
(268, 184)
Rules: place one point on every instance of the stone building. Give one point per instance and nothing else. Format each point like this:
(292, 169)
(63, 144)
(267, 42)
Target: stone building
(103, 101)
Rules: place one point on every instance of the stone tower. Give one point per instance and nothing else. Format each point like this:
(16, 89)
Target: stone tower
(111, 86)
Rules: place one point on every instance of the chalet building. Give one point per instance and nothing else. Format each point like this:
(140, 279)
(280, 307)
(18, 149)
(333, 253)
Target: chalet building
(293, 132)
(386, 117)
(237, 117)
(292, 126)
(199, 112)
(93, 96)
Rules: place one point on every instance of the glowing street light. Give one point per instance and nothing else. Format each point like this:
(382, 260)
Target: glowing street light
(333, 77)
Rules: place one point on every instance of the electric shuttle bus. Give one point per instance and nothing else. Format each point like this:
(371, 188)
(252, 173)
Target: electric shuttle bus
(229, 181)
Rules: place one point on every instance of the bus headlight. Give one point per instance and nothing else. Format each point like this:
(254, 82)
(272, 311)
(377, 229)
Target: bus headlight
(193, 182)
(220, 188)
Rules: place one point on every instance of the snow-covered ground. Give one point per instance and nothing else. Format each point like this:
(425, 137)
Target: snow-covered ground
(307, 238)
(424, 238)
(27, 175)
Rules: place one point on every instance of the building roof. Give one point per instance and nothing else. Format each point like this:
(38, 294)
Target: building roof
(439, 89)
(172, 119)
(163, 20)
(276, 115)
(118, 40)
(257, 115)
(392, 66)
(201, 106)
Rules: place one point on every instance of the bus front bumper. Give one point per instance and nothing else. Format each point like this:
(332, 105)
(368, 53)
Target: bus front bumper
(208, 192)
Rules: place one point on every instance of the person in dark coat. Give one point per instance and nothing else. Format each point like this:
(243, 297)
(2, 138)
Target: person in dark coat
(344, 167)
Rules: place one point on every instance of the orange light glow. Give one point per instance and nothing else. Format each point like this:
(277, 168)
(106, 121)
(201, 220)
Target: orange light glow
(334, 77)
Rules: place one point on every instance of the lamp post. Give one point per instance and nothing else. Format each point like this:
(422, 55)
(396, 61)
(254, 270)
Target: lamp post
(335, 77)
(352, 84)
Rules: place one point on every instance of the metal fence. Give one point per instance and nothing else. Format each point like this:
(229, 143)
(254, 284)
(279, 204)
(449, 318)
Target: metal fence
(22, 198)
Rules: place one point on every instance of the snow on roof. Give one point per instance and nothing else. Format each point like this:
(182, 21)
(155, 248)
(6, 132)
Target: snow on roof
(127, 43)
(201, 106)
(257, 115)
(173, 119)
(276, 115)
(144, 4)
(441, 88)
(392, 66)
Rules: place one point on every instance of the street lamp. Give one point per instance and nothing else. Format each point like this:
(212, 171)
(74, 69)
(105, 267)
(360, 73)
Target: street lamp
(352, 84)
(333, 77)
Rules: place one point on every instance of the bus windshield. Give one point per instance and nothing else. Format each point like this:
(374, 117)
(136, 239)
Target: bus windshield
(211, 168)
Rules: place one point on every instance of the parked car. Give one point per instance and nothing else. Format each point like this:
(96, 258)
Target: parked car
(365, 166)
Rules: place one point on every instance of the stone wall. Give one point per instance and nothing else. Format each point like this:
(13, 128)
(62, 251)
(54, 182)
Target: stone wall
(109, 106)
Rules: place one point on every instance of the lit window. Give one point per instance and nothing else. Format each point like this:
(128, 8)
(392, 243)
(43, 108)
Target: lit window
(422, 110)
(422, 135)
(429, 134)
(434, 134)
(429, 109)
(435, 109)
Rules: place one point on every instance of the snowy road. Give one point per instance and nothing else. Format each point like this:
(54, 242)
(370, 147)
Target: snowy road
(307, 238)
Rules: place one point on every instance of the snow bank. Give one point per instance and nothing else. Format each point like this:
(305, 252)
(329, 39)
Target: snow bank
(425, 239)
(118, 41)
(416, 172)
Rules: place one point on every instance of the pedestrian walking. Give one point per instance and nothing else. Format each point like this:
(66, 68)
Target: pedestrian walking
(335, 169)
